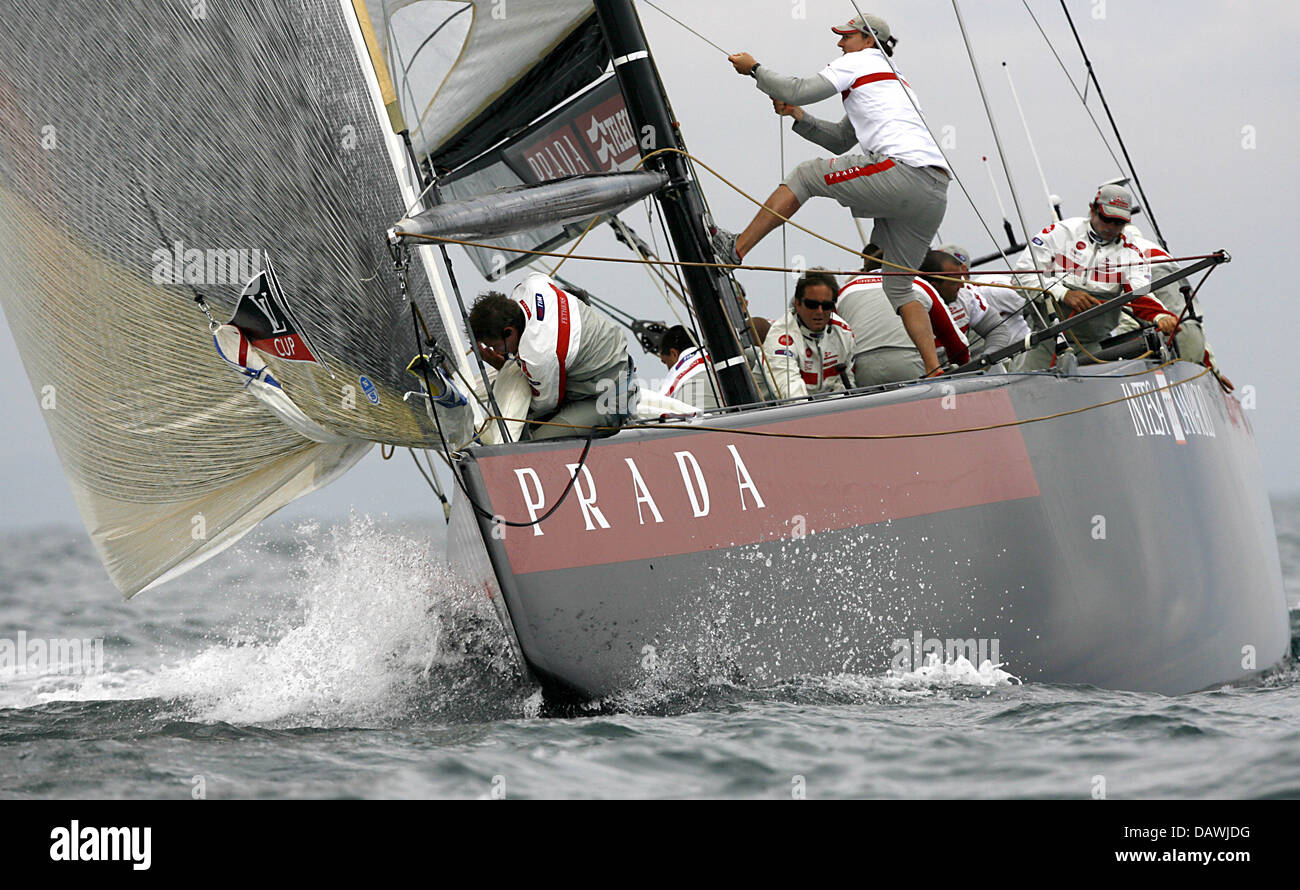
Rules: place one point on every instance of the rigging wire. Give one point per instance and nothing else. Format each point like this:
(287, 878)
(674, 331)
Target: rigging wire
(1114, 126)
(650, 270)
(432, 482)
(785, 252)
(1083, 98)
(1006, 169)
(686, 26)
(1033, 151)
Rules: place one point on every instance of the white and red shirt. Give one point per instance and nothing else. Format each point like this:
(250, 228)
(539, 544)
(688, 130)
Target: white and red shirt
(876, 324)
(879, 104)
(1072, 257)
(993, 313)
(565, 349)
(688, 380)
(1162, 264)
(805, 363)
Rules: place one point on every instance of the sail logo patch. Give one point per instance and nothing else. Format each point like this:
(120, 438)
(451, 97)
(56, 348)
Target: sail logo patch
(368, 387)
(264, 316)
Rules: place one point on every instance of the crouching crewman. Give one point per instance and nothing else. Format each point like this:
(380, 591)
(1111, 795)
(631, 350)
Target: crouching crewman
(574, 359)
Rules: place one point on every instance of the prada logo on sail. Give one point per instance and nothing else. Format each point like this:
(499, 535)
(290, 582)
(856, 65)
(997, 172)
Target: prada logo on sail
(609, 132)
(190, 265)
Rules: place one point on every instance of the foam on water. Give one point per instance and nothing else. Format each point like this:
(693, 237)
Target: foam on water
(381, 632)
(936, 674)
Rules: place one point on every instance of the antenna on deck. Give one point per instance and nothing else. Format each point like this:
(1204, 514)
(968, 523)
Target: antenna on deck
(1053, 202)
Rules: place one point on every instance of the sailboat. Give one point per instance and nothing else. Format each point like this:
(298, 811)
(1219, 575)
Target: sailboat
(244, 177)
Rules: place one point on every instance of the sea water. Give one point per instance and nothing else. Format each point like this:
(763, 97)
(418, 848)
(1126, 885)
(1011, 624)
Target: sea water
(345, 660)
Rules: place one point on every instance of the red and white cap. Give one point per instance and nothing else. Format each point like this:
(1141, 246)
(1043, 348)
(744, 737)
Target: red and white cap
(1114, 201)
(859, 23)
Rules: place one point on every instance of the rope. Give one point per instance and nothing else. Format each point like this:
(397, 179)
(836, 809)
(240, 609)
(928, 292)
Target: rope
(687, 27)
(885, 436)
(906, 270)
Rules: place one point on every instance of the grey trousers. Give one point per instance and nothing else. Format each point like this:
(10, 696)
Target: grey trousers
(584, 413)
(887, 364)
(907, 204)
(612, 408)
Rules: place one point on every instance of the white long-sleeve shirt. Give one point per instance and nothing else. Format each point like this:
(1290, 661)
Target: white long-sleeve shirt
(1072, 257)
(996, 314)
(566, 348)
(688, 380)
(803, 363)
(879, 105)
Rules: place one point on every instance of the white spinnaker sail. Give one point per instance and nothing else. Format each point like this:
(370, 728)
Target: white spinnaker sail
(156, 154)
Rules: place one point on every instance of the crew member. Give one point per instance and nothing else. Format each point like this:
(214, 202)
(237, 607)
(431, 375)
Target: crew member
(883, 351)
(1083, 262)
(809, 350)
(995, 313)
(688, 370)
(896, 175)
(575, 359)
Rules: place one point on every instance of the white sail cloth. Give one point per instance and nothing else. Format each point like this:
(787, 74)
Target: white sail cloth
(503, 44)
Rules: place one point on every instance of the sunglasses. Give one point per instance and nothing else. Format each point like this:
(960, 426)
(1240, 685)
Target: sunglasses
(1112, 220)
(829, 305)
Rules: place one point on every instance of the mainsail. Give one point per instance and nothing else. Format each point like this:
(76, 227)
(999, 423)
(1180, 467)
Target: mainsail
(162, 152)
(501, 96)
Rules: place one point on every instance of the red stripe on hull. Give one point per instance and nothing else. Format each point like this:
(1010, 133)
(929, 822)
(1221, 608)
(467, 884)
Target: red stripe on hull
(831, 484)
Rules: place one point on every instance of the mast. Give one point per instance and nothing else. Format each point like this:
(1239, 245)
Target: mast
(1092, 75)
(681, 200)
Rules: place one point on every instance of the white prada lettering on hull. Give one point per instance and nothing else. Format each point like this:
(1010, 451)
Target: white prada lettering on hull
(533, 504)
(699, 498)
(694, 482)
(642, 493)
(587, 501)
(744, 481)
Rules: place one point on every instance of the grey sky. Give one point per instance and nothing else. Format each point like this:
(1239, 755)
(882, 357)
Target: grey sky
(1204, 92)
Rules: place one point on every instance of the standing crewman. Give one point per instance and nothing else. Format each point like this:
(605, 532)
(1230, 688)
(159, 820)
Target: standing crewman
(900, 179)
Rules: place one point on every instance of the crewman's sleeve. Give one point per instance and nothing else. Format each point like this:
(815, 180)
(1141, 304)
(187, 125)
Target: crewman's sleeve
(1139, 273)
(1148, 308)
(787, 378)
(1040, 254)
(837, 138)
(794, 90)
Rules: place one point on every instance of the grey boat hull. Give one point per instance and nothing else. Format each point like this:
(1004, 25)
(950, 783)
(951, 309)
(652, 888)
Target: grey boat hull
(1127, 545)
